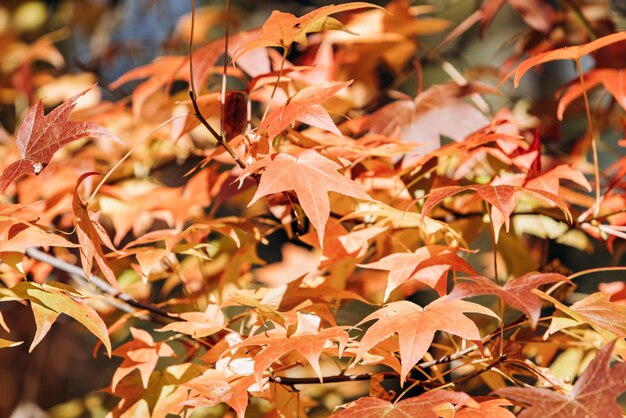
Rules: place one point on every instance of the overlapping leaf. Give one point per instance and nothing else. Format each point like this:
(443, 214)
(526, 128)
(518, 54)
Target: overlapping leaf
(304, 106)
(428, 265)
(283, 29)
(516, 293)
(309, 345)
(593, 396)
(501, 197)
(50, 300)
(142, 354)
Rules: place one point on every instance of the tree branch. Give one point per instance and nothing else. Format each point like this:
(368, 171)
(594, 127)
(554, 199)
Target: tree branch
(104, 287)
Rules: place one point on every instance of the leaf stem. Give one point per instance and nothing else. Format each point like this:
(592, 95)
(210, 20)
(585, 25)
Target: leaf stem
(594, 145)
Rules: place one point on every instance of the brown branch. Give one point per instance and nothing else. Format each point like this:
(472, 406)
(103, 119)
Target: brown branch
(101, 285)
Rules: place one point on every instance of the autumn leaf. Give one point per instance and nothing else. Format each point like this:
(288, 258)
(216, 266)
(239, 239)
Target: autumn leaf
(417, 407)
(567, 53)
(501, 197)
(429, 265)
(536, 13)
(304, 106)
(277, 344)
(49, 300)
(214, 387)
(198, 324)
(613, 80)
(489, 408)
(141, 354)
(91, 236)
(416, 327)
(517, 293)
(596, 310)
(23, 235)
(437, 111)
(7, 343)
(311, 177)
(594, 394)
(283, 29)
(40, 136)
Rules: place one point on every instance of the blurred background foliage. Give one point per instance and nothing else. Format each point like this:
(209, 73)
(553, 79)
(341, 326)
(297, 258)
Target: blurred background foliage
(55, 48)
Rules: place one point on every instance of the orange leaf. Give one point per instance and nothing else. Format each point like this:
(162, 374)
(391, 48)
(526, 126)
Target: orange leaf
(417, 407)
(283, 29)
(594, 394)
(612, 80)
(428, 265)
(91, 236)
(416, 327)
(305, 107)
(311, 176)
(515, 293)
(277, 344)
(567, 53)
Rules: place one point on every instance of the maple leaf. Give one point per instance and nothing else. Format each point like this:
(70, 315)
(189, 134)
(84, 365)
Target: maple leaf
(593, 396)
(596, 310)
(490, 408)
(142, 354)
(429, 265)
(417, 407)
(214, 387)
(437, 111)
(501, 197)
(311, 177)
(277, 344)
(283, 29)
(20, 236)
(416, 327)
(49, 300)
(40, 136)
(612, 79)
(91, 236)
(516, 293)
(567, 53)
(304, 106)
(198, 324)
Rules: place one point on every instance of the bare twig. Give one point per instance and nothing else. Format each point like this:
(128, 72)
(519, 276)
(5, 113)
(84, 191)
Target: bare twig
(194, 101)
(102, 285)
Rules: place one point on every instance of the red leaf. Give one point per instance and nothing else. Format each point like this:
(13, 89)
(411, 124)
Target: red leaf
(515, 293)
(305, 107)
(40, 136)
(594, 394)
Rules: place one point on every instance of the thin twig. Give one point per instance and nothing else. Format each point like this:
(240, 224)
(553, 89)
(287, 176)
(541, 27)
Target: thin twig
(194, 100)
(102, 285)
